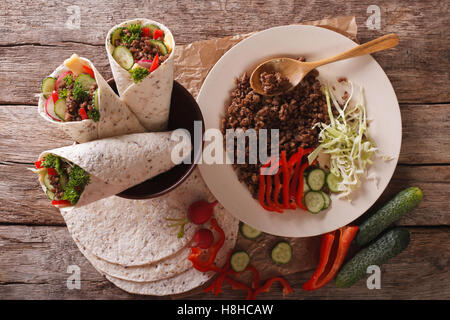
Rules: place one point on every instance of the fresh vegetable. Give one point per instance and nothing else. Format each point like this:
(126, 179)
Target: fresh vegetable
(146, 32)
(46, 181)
(135, 30)
(61, 203)
(306, 188)
(60, 108)
(268, 284)
(314, 201)
(66, 77)
(123, 57)
(160, 46)
(47, 86)
(152, 28)
(316, 179)
(281, 253)
(200, 212)
(83, 114)
(78, 92)
(49, 105)
(50, 195)
(155, 63)
(386, 247)
(89, 71)
(138, 74)
(333, 182)
(330, 261)
(401, 204)
(158, 34)
(144, 63)
(327, 200)
(95, 102)
(203, 238)
(116, 35)
(347, 142)
(249, 232)
(85, 80)
(239, 261)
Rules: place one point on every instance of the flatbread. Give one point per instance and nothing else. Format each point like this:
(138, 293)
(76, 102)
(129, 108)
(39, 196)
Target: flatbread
(150, 98)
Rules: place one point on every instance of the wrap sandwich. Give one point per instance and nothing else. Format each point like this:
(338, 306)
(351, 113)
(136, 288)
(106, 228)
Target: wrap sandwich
(78, 99)
(141, 55)
(79, 174)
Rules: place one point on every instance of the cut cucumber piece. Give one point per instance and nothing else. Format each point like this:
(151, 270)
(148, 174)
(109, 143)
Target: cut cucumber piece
(281, 252)
(160, 46)
(327, 199)
(152, 28)
(60, 108)
(95, 101)
(50, 194)
(249, 232)
(239, 261)
(333, 182)
(47, 86)
(316, 179)
(314, 201)
(86, 81)
(46, 181)
(306, 188)
(123, 57)
(116, 35)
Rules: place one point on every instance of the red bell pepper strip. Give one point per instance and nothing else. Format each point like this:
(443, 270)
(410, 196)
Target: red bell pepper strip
(55, 96)
(158, 34)
(155, 63)
(89, 71)
(286, 178)
(61, 203)
(319, 278)
(268, 284)
(239, 285)
(38, 164)
(295, 161)
(277, 189)
(146, 32)
(83, 114)
(52, 172)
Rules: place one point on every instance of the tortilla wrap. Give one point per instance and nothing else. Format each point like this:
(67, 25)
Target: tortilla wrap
(115, 117)
(149, 99)
(118, 163)
(136, 232)
(163, 269)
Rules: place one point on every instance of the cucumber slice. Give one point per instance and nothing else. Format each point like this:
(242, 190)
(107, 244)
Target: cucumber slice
(160, 46)
(116, 35)
(327, 200)
(47, 86)
(281, 252)
(239, 261)
(123, 57)
(249, 232)
(46, 181)
(306, 188)
(314, 201)
(86, 81)
(333, 182)
(60, 108)
(152, 28)
(316, 179)
(95, 102)
(50, 194)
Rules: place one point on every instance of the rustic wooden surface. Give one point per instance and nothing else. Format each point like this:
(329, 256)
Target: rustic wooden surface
(35, 247)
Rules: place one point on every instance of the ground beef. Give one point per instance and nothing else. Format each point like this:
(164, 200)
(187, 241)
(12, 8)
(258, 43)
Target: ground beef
(294, 113)
(273, 82)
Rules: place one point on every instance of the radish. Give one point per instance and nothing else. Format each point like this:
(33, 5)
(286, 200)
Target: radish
(145, 63)
(50, 105)
(61, 77)
(203, 238)
(201, 211)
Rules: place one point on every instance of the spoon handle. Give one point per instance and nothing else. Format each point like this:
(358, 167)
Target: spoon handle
(379, 44)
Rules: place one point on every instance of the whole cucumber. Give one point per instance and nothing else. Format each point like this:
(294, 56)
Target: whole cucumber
(386, 247)
(402, 203)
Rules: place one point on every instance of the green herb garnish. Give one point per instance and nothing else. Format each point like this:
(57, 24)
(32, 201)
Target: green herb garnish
(94, 115)
(62, 94)
(135, 30)
(68, 79)
(137, 74)
(79, 93)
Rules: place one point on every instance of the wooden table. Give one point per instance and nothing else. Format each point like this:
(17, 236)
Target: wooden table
(35, 247)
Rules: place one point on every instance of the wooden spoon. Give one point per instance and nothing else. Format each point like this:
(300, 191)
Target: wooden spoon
(295, 70)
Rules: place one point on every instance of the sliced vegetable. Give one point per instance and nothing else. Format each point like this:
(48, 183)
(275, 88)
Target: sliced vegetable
(47, 182)
(281, 252)
(314, 201)
(401, 204)
(146, 32)
(152, 28)
(47, 86)
(327, 199)
(60, 108)
(203, 238)
(54, 96)
(95, 103)
(333, 182)
(158, 34)
(386, 247)
(160, 46)
(123, 57)
(239, 261)
(85, 80)
(268, 284)
(89, 71)
(83, 114)
(155, 63)
(50, 109)
(61, 203)
(316, 179)
(50, 194)
(249, 232)
(306, 188)
(116, 35)
(61, 77)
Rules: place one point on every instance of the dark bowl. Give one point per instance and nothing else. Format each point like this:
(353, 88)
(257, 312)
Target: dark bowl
(184, 110)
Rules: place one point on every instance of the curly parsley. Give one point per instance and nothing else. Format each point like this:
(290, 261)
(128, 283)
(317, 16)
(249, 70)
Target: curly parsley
(79, 93)
(137, 74)
(135, 30)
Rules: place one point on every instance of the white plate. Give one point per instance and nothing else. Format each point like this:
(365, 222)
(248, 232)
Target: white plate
(382, 107)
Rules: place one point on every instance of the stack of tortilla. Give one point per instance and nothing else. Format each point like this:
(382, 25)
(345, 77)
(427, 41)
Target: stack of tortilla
(131, 243)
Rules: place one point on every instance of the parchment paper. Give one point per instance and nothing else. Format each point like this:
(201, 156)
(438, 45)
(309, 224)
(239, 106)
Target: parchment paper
(192, 64)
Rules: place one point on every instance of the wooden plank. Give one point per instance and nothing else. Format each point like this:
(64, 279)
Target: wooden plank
(417, 67)
(34, 262)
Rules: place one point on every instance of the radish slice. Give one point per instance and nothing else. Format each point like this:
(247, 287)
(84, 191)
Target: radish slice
(49, 109)
(145, 63)
(61, 77)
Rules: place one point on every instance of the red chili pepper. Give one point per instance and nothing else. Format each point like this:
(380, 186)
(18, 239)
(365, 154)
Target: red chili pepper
(52, 172)
(155, 63)
(146, 32)
(320, 278)
(268, 284)
(55, 96)
(89, 71)
(158, 34)
(38, 164)
(239, 285)
(83, 114)
(61, 203)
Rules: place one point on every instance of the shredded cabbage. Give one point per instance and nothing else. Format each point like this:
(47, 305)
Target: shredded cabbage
(347, 142)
